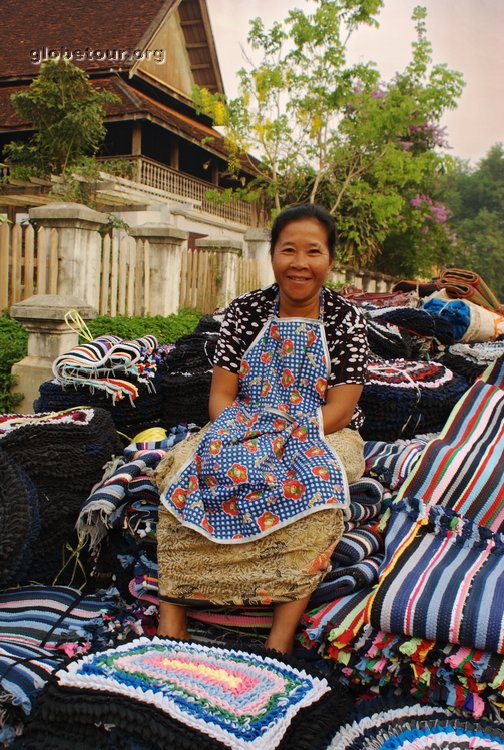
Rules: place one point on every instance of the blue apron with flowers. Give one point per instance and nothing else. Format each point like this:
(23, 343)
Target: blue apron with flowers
(264, 462)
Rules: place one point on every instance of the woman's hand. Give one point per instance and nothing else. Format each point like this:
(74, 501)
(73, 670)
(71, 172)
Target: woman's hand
(223, 391)
(339, 407)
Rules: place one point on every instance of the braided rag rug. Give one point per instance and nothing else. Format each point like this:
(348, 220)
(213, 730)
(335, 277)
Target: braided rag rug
(172, 694)
(395, 725)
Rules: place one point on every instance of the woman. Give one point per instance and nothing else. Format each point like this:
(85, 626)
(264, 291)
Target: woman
(252, 517)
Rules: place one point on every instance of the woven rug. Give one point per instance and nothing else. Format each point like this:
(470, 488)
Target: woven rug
(170, 694)
(463, 468)
(441, 578)
(405, 398)
(396, 725)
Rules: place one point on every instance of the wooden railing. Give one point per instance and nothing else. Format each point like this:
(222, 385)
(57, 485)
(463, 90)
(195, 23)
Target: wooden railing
(180, 185)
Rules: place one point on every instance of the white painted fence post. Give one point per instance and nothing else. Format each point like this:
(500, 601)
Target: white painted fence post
(228, 252)
(257, 244)
(165, 243)
(79, 247)
(43, 317)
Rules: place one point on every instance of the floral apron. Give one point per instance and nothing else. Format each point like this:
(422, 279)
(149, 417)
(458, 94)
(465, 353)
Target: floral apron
(264, 462)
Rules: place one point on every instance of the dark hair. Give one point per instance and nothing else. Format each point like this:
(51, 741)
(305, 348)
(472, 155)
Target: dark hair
(305, 211)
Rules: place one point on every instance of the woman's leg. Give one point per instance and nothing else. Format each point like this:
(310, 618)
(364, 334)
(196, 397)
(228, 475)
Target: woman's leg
(286, 617)
(173, 621)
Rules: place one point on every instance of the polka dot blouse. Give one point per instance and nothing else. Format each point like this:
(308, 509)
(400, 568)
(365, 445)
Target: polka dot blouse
(345, 330)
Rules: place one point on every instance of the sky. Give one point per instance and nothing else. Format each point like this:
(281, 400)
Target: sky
(466, 35)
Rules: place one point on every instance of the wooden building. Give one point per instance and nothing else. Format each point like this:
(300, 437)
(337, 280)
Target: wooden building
(149, 53)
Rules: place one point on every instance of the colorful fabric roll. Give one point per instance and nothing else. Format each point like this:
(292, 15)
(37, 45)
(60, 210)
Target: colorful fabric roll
(399, 724)
(172, 694)
(464, 284)
(463, 467)
(101, 362)
(343, 616)
(356, 545)
(470, 360)
(342, 581)
(404, 398)
(441, 579)
(391, 463)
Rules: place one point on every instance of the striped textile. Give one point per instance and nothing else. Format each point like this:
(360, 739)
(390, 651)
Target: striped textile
(134, 475)
(391, 463)
(345, 614)
(357, 544)
(343, 581)
(463, 468)
(442, 579)
(102, 362)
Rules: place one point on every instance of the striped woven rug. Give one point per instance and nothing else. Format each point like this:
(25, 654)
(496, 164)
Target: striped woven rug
(463, 468)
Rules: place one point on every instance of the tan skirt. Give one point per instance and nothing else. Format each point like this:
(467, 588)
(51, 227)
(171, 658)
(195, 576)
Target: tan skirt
(287, 564)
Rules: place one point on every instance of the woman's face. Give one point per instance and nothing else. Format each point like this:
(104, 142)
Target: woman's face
(301, 260)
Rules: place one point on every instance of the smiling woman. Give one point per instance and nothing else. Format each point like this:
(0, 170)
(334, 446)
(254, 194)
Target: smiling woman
(253, 516)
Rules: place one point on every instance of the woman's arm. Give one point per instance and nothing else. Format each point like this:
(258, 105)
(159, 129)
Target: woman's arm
(339, 407)
(223, 391)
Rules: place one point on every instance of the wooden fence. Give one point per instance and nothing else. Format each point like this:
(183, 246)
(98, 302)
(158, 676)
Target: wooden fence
(28, 262)
(29, 265)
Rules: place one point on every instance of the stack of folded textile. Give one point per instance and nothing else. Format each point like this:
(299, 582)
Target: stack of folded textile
(404, 398)
(358, 554)
(41, 628)
(186, 388)
(124, 377)
(63, 456)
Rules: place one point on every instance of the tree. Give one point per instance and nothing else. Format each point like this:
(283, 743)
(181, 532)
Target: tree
(476, 199)
(67, 115)
(334, 133)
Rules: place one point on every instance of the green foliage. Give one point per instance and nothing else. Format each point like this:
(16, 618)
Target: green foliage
(166, 329)
(476, 199)
(13, 347)
(326, 131)
(67, 115)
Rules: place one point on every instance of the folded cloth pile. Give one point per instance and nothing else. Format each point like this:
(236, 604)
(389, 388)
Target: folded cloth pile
(118, 520)
(165, 694)
(126, 380)
(404, 398)
(189, 373)
(459, 283)
(405, 724)
(41, 628)
(63, 456)
(470, 360)
(385, 341)
(472, 323)
(19, 521)
(391, 463)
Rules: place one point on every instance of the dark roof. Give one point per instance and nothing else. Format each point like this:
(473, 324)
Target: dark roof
(33, 27)
(74, 24)
(132, 104)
